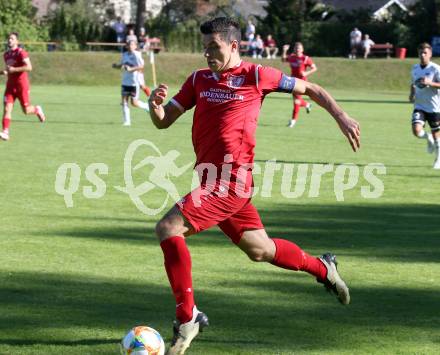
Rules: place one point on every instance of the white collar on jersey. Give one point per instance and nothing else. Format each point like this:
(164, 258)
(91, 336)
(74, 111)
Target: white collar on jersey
(216, 75)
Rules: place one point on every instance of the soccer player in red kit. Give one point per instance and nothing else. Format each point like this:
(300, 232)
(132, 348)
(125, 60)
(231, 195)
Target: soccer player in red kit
(18, 65)
(301, 66)
(227, 97)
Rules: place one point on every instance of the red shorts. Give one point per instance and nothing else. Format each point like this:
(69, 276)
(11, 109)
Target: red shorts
(18, 91)
(210, 205)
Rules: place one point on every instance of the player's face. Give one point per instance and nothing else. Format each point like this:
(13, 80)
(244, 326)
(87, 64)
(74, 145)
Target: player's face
(298, 49)
(132, 46)
(218, 52)
(12, 41)
(425, 56)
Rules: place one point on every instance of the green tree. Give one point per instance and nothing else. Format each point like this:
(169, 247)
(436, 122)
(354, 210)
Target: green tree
(286, 19)
(77, 21)
(19, 16)
(424, 21)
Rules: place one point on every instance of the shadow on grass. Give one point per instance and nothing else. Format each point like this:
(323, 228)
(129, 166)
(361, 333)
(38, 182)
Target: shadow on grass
(272, 308)
(403, 233)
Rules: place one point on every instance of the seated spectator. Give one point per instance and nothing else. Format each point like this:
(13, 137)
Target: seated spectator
(366, 45)
(270, 47)
(257, 47)
(144, 41)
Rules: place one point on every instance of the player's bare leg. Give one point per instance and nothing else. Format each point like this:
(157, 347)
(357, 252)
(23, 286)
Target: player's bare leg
(6, 122)
(436, 136)
(171, 231)
(34, 110)
(419, 132)
(286, 254)
(140, 104)
(298, 102)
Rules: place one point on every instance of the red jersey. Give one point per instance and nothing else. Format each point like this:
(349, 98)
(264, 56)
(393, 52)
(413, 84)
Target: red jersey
(299, 64)
(227, 108)
(15, 58)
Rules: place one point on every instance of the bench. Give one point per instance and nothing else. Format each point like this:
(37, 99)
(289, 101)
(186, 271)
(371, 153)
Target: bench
(244, 47)
(154, 45)
(382, 48)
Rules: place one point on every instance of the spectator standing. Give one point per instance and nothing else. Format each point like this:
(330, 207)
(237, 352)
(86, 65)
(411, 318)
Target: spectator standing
(119, 27)
(144, 40)
(355, 42)
(366, 45)
(271, 48)
(250, 31)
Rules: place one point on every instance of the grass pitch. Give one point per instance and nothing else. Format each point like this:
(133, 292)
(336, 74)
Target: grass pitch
(74, 280)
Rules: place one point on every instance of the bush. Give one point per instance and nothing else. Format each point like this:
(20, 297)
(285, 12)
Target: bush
(75, 23)
(19, 16)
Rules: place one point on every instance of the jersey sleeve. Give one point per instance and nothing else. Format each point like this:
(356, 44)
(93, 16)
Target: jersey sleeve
(23, 55)
(273, 80)
(308, 62)
(185, 99)
(437, 75)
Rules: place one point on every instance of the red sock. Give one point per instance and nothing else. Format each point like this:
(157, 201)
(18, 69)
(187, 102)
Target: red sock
(147, 90)
(290, 256)
(302, 103)
(6, 123)
(295, 111)
(178, 267)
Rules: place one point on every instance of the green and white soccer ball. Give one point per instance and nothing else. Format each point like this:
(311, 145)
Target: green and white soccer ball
(142, 340)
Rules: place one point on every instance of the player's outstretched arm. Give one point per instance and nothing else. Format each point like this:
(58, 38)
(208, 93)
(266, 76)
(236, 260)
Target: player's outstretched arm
(162, 116)
(349, 127)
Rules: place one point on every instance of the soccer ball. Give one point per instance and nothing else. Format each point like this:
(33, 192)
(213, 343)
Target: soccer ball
(142, 340)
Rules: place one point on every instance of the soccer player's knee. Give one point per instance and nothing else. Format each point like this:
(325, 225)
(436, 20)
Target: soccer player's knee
(167, 227)
(257, 254)
(162, 228)
(417, 130)
(297, 102)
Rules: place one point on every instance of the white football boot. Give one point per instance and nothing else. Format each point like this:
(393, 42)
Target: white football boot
(186, 332)
(333, 282)
(40, 114)
(4, 135)
(291, 123)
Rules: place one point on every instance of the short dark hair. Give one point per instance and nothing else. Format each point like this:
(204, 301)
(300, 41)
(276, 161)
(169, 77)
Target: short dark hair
(226, 27)
(424, 45)
(13, 33)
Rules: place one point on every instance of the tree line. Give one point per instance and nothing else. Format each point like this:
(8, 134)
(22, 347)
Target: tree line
(323, 30)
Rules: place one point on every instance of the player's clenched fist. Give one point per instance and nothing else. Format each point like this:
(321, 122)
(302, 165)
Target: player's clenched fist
(158, 95)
